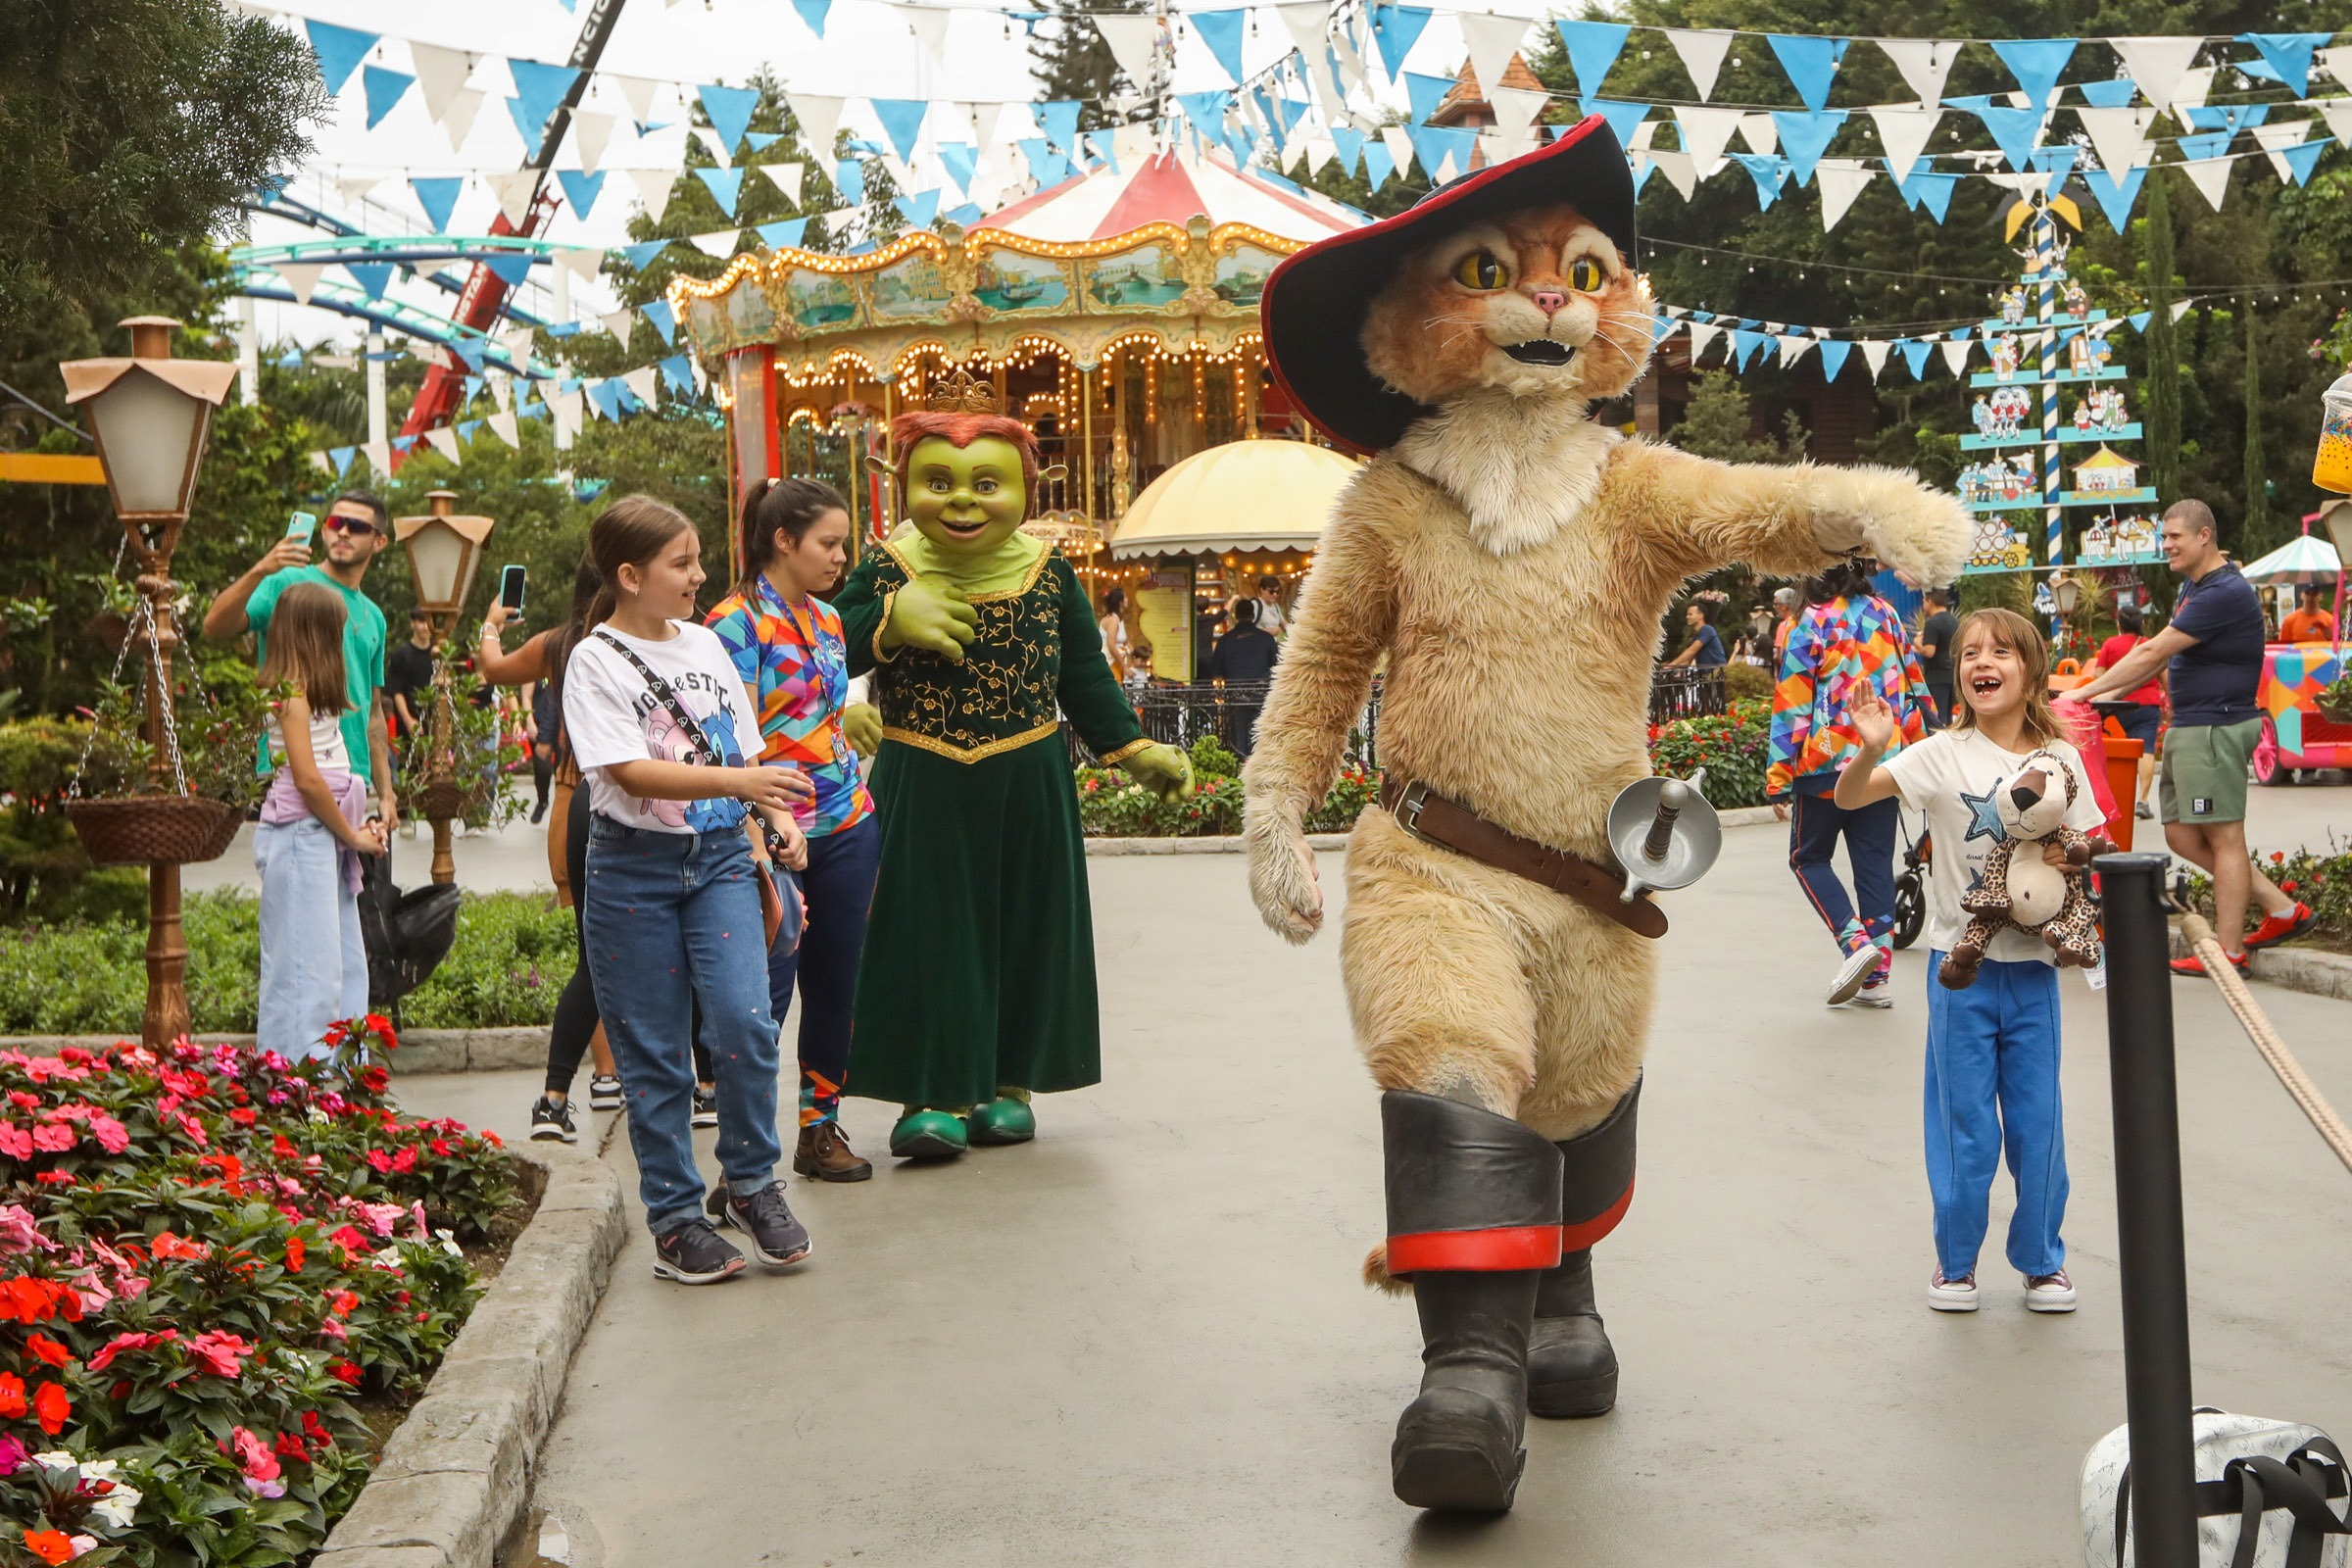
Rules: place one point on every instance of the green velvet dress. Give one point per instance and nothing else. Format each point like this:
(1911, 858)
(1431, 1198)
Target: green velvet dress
(979, 963)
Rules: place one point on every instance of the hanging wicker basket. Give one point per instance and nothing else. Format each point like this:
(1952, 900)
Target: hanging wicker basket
(440, 802)
(154, 830)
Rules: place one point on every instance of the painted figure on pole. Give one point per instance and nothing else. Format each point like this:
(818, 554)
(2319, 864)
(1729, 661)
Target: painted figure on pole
(1500, 979)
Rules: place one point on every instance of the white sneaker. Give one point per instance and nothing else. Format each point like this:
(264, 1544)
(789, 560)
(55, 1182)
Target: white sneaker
(2049, 1293)
(1878, 991)
(1857, 968)
(1952, 1296)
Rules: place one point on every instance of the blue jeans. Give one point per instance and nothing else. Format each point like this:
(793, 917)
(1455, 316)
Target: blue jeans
(672, 920)
(314, 963)
(839, 885)
(1993, 1088)
(1816, 822)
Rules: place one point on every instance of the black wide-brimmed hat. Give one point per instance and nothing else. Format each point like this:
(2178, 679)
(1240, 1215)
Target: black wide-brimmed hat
(1315, 303)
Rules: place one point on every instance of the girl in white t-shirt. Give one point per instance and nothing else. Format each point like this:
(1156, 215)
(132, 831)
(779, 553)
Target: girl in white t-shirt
(1992, 1048)
(658, 721)
(314, 969)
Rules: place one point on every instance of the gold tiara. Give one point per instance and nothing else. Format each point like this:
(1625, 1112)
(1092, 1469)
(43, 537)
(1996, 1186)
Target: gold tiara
(961, 392)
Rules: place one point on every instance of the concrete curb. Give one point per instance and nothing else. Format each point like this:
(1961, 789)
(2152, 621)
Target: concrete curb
(455, 1479)
(2305, 969)
(420, 1050)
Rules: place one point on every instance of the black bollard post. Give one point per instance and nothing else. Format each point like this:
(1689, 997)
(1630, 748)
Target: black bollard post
(2147, 1199)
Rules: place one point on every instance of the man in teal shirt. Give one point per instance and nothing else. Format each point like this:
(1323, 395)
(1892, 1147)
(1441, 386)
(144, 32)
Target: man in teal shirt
(356, 528)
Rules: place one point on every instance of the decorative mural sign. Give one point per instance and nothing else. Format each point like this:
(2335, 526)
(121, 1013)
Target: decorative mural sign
(1012, 283)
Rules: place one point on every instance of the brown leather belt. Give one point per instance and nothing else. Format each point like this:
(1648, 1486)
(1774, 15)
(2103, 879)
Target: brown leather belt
(1430, 816)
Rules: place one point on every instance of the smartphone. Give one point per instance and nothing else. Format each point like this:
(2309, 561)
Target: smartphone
(301, 527)
(509, 588)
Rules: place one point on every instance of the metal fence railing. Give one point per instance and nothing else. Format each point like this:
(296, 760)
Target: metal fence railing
(1684, 693)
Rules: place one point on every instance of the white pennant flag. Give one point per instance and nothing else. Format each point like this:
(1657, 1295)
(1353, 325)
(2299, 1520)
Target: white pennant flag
(1516, 111)
(2156, 65)
(2118, 136)
(589, 133)
(502, 387)
(1702, 55)
(1702, 337)
(2338, 113)
(620, 323)
(1310, 27)
(1841, 180)
(440, 73)
(1706, 132)
(1904, 134)
(1873, 355)
(301, 277)
(721, 243)
(2182, 308)
(717, 149)
(1925, 64)
(1129, 39)
(582, 261)
(457, 119)
(1351, 63)
(786, 179)
(355, 187)
(1400, 148)
(1761, 134)
(1492, 40)
(930, 25)
(514, 190)
(820, 116)
(1955, 355)
(502, 424)
(1794, 349)
(653, 189)
(1321, 152)
(1132, 144)
(2210, 177)
(563, 408)
(517, 341)
(2337, 63)
(2278, 135)
(380, 456)
(638, 93)
(1679, 171)
(2191, 91)
(445, 442)
(347, 361)
(323, 463)
(642, 384)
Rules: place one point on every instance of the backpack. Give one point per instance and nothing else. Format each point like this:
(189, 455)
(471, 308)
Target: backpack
(407, 935)
(2269, 1494)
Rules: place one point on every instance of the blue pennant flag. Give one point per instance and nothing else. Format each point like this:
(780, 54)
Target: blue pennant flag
(2303, 157)
(1810, 64)
(1643, 168)
(2036, 64)
(1929, 190)
(580, 189)
(373, 276)
(1426, 92)
(470, 350)
(2212, 144)
(1592, 48)
(1769, 171)
(1915, 355)
(1378, 164)
(919, 209)
(540, 88)
(966, 215)
(2057, 163)
(903, 121)
(605, 395)
(666, 320)
(561, 330)
(1833, 356)
(849, 179)
(2140, 319)
(1098, 150)
(383, 89)
(761, 141)
(439, 198)
(468, 427)
(2116, 94)
(678, 373)
(1205, 110)
(1221, 30)
(2288, 55)
(1744, 344)
(511, 269)
(642, 253)
(404, 443)
(963, 161)
(1059, 117)
(1805, 138)
(730, 111)
(1395, 28)
(2233, 118)
(1433, 144)
(726, 187)
(339, 50)
(1046, 166)
(341, 456)
(2014, 131)
(812, 12)
(1624, 119)
(1351, 144)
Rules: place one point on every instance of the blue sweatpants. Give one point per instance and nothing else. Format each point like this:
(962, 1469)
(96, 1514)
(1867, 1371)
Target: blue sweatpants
(1992, 1089)
(1816, 823)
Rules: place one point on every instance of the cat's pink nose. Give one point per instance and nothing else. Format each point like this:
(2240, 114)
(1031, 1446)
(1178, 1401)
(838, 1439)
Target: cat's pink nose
(1549, 300)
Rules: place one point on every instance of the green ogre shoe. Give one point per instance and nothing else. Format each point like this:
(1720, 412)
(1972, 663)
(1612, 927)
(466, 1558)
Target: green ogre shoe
(927, 1134)
(1003, 1120)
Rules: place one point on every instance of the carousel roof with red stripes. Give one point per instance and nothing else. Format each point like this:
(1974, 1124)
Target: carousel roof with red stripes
(1172, 188)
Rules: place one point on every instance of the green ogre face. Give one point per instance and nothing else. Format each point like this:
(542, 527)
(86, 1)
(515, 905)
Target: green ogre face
(966, 500)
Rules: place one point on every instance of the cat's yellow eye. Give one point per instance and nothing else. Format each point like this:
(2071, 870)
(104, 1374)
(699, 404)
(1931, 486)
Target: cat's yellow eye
(1481, 270)
(1586, 276)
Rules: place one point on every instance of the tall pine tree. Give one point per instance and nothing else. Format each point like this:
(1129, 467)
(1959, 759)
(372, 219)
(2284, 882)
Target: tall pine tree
(2160, 399)
(1069, 61)
(2255, 532)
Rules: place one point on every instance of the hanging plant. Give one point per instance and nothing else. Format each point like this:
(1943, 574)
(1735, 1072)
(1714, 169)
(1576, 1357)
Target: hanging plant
(454, 767)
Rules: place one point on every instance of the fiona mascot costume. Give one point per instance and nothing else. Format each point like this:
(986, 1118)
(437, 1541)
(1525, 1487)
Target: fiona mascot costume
(977, 983)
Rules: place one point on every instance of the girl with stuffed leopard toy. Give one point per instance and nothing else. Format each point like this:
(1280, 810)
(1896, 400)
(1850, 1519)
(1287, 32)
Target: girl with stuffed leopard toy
(1992, 1024)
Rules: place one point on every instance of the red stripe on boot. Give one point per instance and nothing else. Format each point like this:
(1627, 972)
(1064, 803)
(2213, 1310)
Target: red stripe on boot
(1575, 1238)
(1510, 1248)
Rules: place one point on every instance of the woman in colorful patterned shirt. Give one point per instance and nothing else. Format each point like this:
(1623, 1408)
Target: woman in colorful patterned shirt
(1845, 635)
(787, 645)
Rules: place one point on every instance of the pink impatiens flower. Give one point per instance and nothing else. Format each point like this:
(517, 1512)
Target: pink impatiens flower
(219, 1353)
(259, 1465)
(15, 1141)
(52, 1136)
(20, 1233)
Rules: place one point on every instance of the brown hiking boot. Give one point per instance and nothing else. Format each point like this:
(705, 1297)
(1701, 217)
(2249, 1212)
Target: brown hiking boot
(825, 1153)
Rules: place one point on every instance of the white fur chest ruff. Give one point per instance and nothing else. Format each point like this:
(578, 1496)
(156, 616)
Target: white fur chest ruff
(1523, 469)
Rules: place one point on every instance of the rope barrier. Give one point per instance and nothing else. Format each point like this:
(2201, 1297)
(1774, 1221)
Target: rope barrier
(2266, 1039)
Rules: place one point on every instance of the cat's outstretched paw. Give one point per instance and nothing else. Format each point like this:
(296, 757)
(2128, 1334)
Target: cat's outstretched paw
(1887, 513)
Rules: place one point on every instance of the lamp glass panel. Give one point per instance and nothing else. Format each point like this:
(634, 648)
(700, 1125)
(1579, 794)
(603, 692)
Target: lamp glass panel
(2339, 526)
(147, 426)
(438, 551)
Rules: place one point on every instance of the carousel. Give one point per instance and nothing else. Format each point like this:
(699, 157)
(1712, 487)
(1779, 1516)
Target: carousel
(1116, 313)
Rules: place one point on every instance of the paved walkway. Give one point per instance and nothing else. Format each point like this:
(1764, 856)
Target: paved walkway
(1142, 1340)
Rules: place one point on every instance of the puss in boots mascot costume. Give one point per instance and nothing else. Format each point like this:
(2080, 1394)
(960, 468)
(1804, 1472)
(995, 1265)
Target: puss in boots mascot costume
(1511, 557)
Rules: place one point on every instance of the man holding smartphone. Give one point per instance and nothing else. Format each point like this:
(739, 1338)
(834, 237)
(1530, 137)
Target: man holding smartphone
(357, 528)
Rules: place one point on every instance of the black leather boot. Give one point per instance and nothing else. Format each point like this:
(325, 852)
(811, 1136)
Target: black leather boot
(1473, 1221)
(1571, 1367)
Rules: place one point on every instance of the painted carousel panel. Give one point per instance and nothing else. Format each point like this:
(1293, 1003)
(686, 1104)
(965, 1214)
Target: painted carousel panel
(1010, 283)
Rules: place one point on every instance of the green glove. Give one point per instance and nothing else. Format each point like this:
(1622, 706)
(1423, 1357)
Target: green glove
(861, 727)
(1163, 770)
(925, 614)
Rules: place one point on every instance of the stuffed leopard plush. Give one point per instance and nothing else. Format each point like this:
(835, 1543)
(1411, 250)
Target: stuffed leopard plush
(2022, 889)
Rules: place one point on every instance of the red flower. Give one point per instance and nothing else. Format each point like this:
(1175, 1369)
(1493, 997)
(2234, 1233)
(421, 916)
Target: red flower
(50, 1407)
(129, 1341)
(289, 1447)
(282, 1147)
(349, 1373)
(219, 1353)
(243, 1115)
(2288, 885)
(45, 1348)
(50, 1545)
(294, 1252)
(315, 1430)
(167, 1246)
(350, 1239)
(12, 1396)
(375, 1080)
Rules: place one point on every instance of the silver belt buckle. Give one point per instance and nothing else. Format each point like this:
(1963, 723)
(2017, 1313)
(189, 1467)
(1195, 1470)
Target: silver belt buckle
(1408, 809)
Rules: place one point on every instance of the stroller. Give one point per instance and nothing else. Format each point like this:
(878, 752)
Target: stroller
(407, 934)
(1911, 885)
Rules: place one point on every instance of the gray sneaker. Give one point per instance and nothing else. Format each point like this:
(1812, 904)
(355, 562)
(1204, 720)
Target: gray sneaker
(778, 1240)
(695, 1254)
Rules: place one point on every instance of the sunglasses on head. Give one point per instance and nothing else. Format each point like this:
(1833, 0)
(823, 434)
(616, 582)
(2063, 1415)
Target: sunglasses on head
(339, 524)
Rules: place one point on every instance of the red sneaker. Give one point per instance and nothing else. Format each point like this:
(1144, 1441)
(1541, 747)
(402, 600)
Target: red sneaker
(2279, 927)
(2193, 966)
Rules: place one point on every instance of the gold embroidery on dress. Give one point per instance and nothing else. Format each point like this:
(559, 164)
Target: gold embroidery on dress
(1002, 695)
(976, 754)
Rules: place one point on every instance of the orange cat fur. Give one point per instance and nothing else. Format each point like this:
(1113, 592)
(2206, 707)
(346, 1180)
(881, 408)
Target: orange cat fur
(1510, 559)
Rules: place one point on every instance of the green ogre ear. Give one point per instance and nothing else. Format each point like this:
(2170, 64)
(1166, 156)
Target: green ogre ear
(1057, 472)
(875, 462)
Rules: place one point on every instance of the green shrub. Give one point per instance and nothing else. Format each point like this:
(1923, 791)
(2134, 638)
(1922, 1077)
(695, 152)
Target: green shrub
(1743, 681)
(1734, 747)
